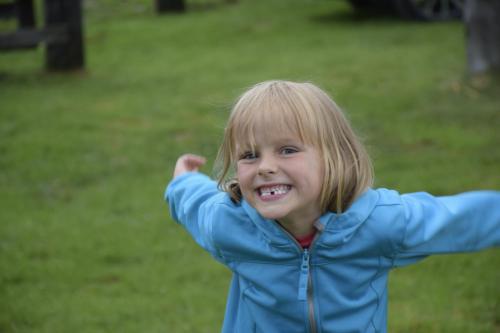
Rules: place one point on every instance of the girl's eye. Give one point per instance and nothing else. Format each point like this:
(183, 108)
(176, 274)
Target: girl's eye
(248, 156)
(288, 150)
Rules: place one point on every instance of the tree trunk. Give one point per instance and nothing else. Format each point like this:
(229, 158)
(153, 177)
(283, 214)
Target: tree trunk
(482, 24)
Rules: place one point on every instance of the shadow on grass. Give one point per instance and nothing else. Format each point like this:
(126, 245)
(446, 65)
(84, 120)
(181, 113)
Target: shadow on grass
(208, 6)
(41, 75)
(362, 15)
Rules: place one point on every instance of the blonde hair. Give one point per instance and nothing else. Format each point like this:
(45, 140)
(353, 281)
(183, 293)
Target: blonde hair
(307, 111)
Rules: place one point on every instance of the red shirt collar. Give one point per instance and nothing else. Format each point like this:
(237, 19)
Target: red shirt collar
(306, 241)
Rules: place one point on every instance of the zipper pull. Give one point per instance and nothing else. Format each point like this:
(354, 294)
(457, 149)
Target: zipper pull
(304, 276)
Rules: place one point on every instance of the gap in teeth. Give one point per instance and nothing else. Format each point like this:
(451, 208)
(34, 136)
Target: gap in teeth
(275, 190)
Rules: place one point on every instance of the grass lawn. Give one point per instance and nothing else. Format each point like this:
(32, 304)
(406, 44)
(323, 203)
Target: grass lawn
(86, 243)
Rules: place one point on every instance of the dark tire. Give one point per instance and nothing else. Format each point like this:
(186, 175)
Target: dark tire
(360, 4)
(430, 10)
(364, 4)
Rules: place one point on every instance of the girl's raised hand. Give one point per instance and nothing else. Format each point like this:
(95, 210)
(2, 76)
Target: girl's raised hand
(187, 163)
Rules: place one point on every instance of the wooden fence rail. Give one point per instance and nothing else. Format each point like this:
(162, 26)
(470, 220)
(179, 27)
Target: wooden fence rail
(62, 31)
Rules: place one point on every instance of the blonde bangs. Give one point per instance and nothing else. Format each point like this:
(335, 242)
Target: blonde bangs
(270, 112)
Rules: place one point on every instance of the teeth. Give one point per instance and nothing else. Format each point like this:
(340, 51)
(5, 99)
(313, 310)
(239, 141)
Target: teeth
(274, 190)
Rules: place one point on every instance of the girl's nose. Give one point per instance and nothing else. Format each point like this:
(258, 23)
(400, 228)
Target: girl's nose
(267, 166)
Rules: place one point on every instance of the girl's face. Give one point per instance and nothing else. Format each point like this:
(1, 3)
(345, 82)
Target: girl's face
(282, 179)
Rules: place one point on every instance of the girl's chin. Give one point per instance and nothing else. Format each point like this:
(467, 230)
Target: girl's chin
(271, 215)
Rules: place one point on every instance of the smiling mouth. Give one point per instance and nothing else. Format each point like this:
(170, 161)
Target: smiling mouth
(273, 192)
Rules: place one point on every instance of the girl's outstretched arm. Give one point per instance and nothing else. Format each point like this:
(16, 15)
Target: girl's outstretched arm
(460, 223)
(189, 196)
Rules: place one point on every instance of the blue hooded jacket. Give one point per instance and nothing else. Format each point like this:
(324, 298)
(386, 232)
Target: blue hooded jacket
(339, 284)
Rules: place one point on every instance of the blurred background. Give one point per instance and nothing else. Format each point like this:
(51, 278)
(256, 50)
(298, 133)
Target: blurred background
(86, 241)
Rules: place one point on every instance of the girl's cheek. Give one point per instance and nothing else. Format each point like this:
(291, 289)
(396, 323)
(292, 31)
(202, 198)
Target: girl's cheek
(244, 175)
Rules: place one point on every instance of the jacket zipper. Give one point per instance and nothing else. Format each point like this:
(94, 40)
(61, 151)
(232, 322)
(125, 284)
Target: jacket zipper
(305, 288)
(312, 320)
(305, 281)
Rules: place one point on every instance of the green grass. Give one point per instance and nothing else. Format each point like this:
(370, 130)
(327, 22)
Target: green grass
(86, 243)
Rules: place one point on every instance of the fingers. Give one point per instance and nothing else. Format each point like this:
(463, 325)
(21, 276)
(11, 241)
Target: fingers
(188, 163)
(193, 162)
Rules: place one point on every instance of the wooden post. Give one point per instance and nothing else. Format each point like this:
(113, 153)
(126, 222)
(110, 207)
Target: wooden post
(482, 24)
(25, 14)
(67, 55)
(164, 6)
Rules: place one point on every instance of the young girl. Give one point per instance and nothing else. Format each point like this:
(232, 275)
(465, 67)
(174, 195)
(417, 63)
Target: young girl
(294, 217)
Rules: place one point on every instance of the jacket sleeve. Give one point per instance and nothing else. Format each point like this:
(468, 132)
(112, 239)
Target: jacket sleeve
(465, 222)
(189, 197)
